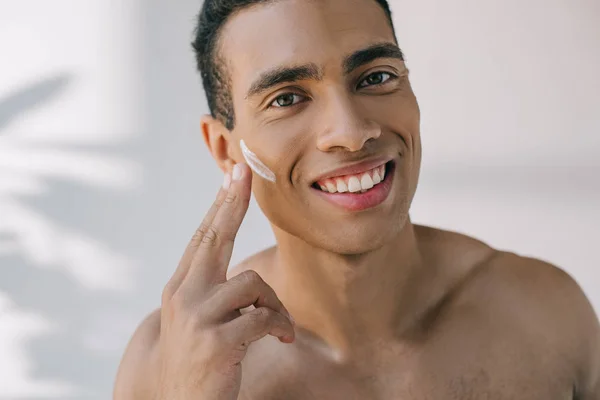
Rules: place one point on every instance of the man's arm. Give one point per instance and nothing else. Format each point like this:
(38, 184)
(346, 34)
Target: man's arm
(558, 304)
(591, 380)
(579, 328)
(138, 372)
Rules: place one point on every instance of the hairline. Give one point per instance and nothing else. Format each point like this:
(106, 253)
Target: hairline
(221, 62)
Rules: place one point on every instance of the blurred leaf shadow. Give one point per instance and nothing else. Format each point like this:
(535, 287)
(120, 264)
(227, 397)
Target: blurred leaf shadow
(62, 355)
(25, 99)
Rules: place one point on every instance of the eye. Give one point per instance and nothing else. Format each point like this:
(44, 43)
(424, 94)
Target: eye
(376, 78)
(286, 100)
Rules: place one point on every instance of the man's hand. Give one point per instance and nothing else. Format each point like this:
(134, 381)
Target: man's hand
(203, 334)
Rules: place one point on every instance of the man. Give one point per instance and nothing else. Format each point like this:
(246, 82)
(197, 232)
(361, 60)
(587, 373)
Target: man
(317, 92)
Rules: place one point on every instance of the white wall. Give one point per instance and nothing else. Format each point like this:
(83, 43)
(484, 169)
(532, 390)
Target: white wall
(510, 95)
(103, 174)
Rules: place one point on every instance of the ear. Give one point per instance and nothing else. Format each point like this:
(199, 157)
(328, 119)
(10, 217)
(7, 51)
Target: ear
(219, 142)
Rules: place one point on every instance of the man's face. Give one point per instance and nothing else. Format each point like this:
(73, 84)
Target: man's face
(318, 86)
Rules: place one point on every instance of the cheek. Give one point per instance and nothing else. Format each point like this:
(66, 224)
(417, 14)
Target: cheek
(279, 145)
(397, 112)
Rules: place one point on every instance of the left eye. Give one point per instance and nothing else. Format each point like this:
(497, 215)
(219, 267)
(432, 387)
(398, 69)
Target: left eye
(376, 78)
(286, 100)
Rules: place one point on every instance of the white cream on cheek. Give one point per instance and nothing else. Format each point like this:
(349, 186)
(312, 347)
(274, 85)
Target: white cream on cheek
(255, 164)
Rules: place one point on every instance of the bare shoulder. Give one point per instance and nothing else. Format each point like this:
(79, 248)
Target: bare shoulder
(546, 290)
(526, 295)
(533, 295)
(138, 372)
(543, 290)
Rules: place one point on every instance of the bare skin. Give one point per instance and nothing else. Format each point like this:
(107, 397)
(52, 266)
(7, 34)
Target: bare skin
(383, 308)
(491, 325)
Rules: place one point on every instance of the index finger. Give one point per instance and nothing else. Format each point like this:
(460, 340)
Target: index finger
(194, 243)
(210, 262)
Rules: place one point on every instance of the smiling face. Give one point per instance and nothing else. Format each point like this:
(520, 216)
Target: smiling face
(321, 95)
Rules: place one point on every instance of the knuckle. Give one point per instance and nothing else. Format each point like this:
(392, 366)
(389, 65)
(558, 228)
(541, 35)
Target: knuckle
(203, 230)
(176, 303)
(188, 316)
(252, 277)
(211, 236)
(261, 316)
(231, 197)
(199, 234)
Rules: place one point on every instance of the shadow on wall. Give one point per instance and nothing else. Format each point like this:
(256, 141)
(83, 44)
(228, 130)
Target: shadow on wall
(16, 104)
(62, 275)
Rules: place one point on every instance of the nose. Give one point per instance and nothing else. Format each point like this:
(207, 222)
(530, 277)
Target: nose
(345, 127)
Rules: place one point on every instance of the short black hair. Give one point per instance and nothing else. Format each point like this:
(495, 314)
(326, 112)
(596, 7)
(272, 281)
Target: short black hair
(211, 65)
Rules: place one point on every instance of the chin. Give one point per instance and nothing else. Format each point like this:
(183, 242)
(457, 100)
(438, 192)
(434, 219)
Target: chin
(358, 238)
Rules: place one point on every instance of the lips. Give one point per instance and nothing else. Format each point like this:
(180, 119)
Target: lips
(357, 191)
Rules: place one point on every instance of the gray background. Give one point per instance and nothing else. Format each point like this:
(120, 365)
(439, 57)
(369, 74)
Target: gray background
(104, 176)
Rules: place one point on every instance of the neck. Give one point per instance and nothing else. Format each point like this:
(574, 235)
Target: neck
(347, 301)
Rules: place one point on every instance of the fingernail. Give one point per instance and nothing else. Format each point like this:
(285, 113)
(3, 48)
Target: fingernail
(226, 181)
(237, 172)
(292, 320)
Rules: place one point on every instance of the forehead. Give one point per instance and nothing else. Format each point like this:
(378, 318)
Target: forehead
(296, 32)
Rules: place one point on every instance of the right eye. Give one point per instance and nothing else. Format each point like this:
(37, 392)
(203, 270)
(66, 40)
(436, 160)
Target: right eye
(287, 100)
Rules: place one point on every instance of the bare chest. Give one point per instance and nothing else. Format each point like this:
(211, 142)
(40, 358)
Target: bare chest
(458, 369)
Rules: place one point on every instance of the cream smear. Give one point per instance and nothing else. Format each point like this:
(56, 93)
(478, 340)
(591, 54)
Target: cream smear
(255, 164)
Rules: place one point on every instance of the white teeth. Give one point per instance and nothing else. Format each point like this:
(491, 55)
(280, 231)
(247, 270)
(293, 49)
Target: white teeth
(366, 182)
(341, 186)
(354, 184)
(376, 177)
(331, 187)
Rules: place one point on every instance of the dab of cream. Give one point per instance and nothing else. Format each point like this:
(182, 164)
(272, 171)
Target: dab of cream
(255, 164)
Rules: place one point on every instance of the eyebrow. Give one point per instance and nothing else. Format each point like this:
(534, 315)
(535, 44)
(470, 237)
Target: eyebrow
(283, 74)
(280, 75)
(365, 56)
